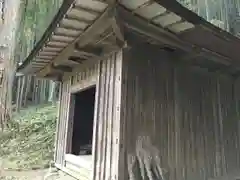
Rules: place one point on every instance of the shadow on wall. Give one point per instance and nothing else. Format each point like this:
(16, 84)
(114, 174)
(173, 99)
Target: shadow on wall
(146, 163)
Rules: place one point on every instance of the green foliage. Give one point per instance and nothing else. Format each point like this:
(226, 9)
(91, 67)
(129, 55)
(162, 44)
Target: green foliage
(30, 145)
(9, 178)
(35, 17)
(222, 13)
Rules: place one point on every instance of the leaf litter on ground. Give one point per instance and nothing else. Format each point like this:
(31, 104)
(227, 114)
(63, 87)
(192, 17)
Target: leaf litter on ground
(29, 143)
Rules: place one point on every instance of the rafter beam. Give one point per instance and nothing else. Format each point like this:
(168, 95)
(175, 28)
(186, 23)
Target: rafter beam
(110, 2)
(89, 50)
(54, 77)
(118, 30)
(76, 59)
(60, 15)
(97, 28)
(141, 26)
(62, 68)
(52, 69)
(46, 70)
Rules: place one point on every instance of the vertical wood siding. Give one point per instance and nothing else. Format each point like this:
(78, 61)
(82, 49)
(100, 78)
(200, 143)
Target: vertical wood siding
(191, 116)
(107, 118)
(106, 137)
(62, 123)
(71, 84)
(56, 155)
(85, 75)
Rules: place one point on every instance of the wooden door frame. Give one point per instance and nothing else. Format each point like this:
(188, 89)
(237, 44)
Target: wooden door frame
(89, 82)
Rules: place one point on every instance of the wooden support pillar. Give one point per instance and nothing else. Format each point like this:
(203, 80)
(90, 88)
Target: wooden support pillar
(108, 138)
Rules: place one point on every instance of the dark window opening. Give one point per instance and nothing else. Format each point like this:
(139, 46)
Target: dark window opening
(83, 122)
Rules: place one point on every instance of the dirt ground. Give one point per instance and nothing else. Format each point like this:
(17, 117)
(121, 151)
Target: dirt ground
(23, 175)
(33, 175)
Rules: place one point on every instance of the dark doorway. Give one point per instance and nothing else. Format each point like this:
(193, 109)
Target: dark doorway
(83, 122)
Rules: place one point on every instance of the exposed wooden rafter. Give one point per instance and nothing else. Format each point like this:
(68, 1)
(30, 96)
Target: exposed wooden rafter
(77, 60)
(137, 24)
(110, 2)
(62, 11)
(97, 28)
(62, 68)
(118, 29)
(91, 30)
(54, 76)
(89, 50)
(141, 26)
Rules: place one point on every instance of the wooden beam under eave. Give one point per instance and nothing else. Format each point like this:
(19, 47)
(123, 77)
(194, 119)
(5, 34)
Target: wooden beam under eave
(73, 61)
(62, 68)
(137, 24)
(59, 16)
(189, 56)
(48, 70)
(93, 31)
(53, 77)
(97, 28)
(141, 26)
(89, 50)
(110, 2)
(84, 55)
(43, 72)
(118, 30)
(77, 60)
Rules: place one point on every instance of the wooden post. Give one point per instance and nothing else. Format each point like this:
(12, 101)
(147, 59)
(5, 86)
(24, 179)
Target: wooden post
(58, 123)
(178, 165)
(18, 94)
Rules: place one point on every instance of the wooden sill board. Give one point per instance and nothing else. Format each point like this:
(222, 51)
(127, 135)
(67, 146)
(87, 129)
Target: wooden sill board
(77, 175)
(83, 161)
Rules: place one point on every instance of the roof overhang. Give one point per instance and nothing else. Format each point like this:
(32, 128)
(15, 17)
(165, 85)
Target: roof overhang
(91, 29)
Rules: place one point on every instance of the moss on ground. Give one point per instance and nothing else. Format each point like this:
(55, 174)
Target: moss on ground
(29, 143)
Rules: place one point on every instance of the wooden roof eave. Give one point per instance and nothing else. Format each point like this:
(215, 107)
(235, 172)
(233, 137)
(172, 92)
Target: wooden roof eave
(97, 28)
(61, 12)
(52, 46)
(118, 15)
(136, 23)
(222, 49)
(51, 59)
(216, 41)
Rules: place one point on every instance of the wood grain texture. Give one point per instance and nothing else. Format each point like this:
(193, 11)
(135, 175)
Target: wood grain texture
(190, 115)
(71, 84)
(107, 132)
(106, 74)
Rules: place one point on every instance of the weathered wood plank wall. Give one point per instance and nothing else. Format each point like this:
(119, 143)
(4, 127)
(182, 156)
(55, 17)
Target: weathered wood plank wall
(107, 76)
(62, 123)
(72, 83)
(107, 117)
(187, 117)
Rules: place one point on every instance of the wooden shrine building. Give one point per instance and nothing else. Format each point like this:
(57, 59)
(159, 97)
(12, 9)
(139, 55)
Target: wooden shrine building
(149, 90)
